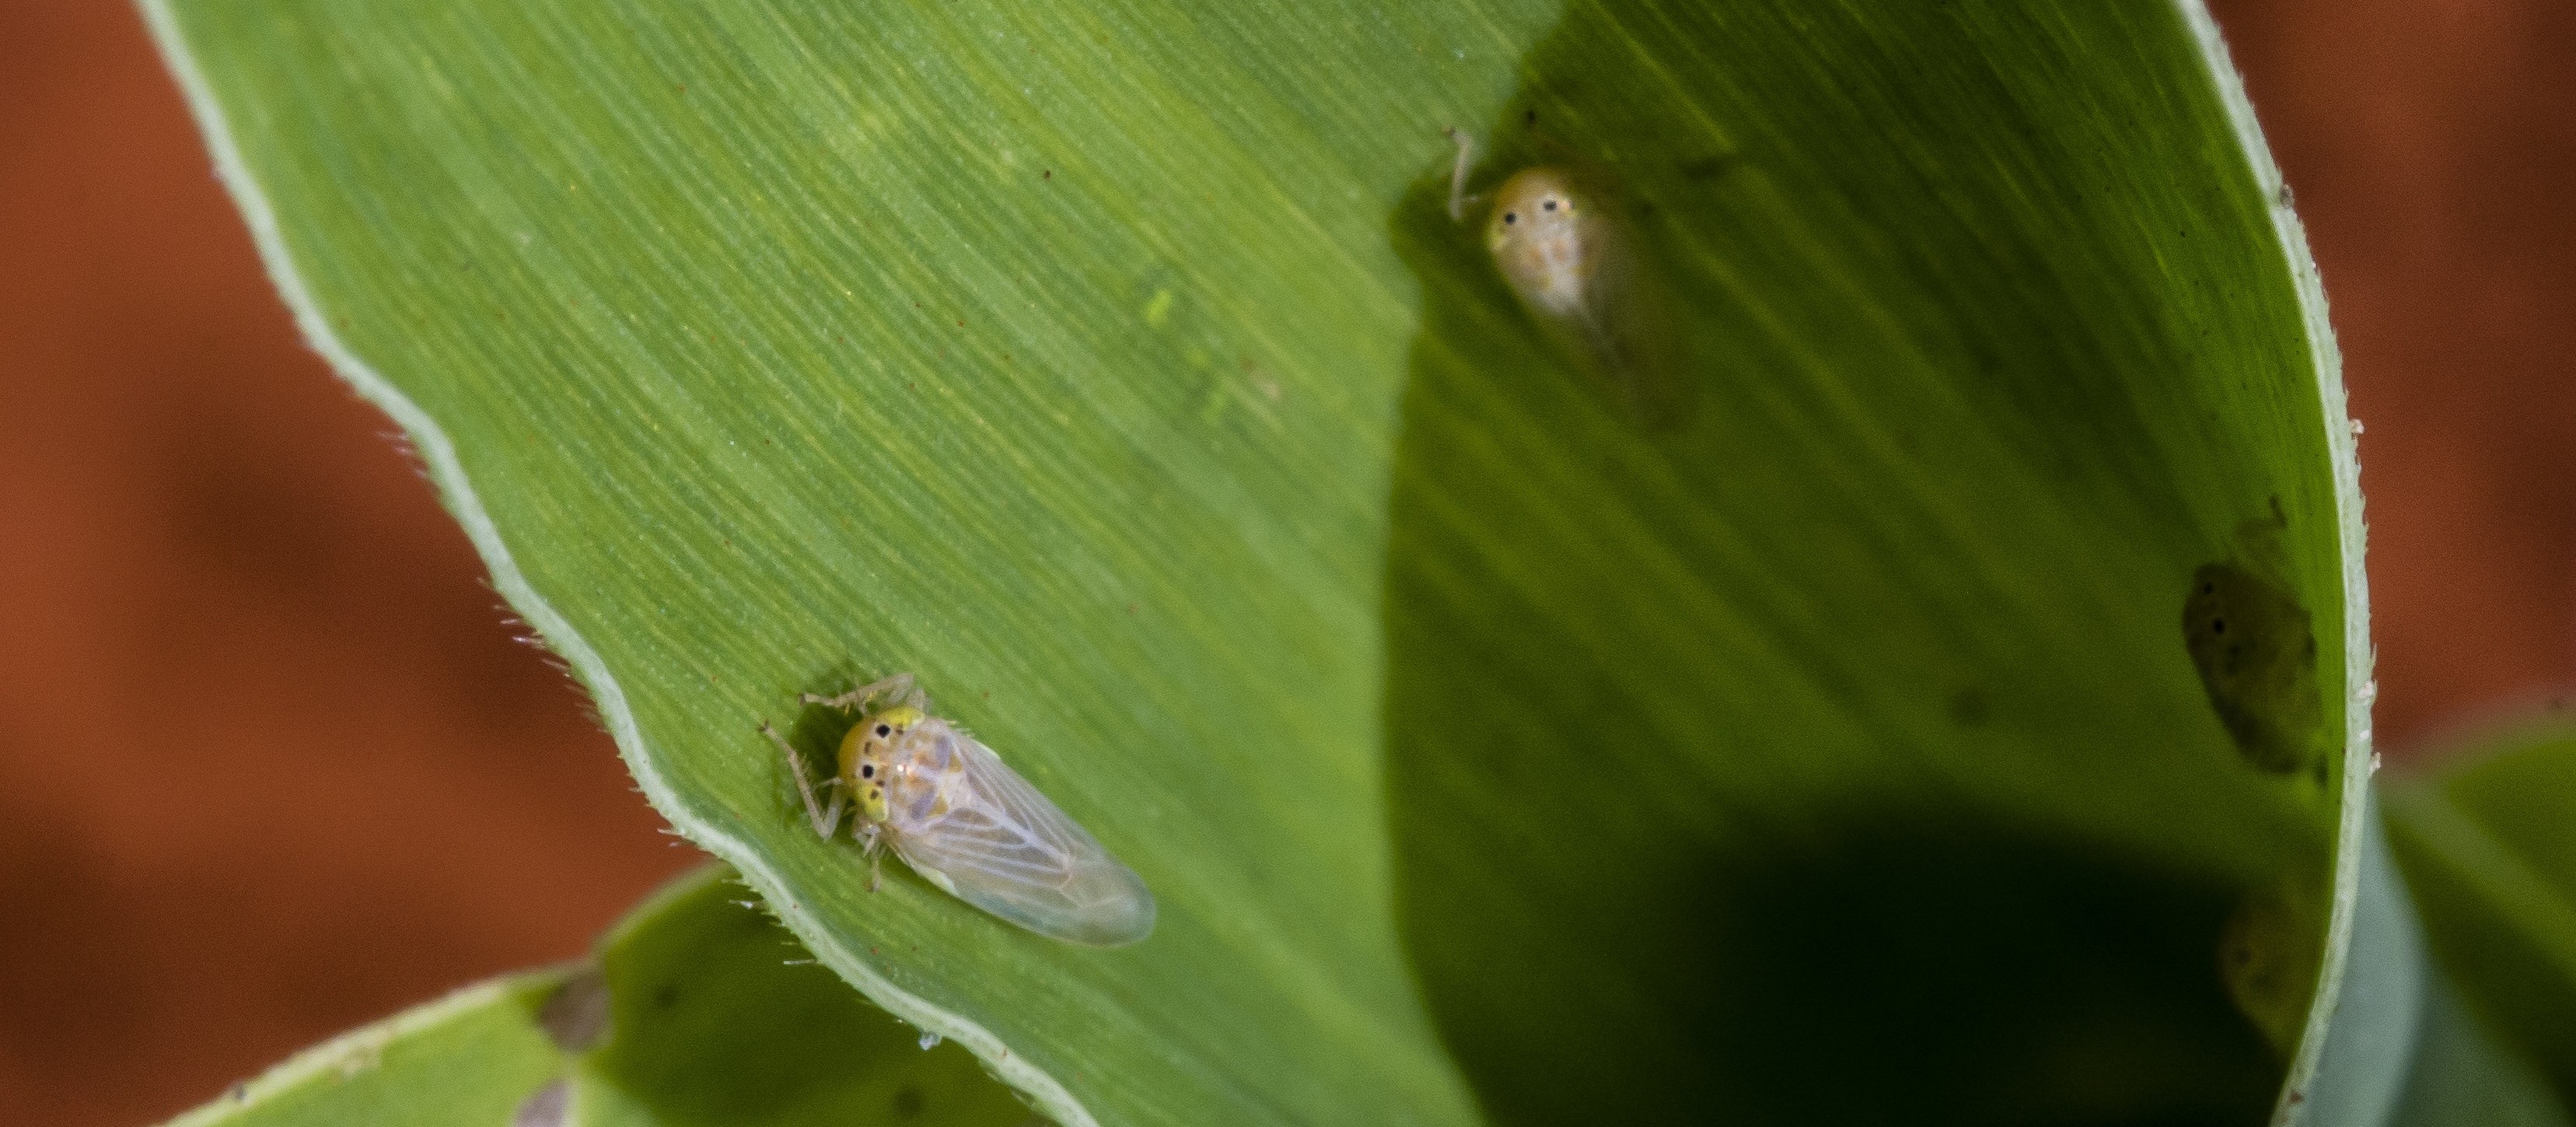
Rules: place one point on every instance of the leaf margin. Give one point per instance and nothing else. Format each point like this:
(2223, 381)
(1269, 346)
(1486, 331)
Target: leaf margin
(446, 472)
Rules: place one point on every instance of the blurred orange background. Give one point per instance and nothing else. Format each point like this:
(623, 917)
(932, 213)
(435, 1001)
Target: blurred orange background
(272, 765)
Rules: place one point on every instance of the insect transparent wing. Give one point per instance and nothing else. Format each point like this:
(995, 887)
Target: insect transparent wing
(1005, 848)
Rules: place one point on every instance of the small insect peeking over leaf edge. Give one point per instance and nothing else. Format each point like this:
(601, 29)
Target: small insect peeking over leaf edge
(1574, 266)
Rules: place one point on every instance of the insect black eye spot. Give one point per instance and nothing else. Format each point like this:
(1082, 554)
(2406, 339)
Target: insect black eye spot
(885, 730)
(1548, 206)
(867, 770)
(1511, 217)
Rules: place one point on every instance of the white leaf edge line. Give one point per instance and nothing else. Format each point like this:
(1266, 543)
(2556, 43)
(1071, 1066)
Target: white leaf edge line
(2343, 455)
(448, 473)
(357, 1051)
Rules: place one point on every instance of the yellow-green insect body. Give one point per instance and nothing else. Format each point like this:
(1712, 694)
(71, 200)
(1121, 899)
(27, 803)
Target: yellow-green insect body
(867, 753)
(1553, 247)
(1577, 270)
(947, 804)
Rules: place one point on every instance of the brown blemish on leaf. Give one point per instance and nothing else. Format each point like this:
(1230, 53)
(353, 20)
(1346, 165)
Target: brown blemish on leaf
(1969, 707)
(575, 1016)
(2256, 651)
(2269, 954)
(548, 1106)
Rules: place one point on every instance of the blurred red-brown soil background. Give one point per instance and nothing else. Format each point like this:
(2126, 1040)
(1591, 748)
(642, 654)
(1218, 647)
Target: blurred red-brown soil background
(272, 765)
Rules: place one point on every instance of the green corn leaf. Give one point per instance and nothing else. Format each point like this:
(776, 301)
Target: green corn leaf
(2489, 847)
(1904, 658)
(717, 1016)
(2406, 1049)
(696, 1010)
(469, 1058)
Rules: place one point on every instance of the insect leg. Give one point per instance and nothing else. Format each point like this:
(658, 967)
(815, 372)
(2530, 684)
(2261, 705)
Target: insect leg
(824, 822)
(872, 846)
(832, 812)
(1458, 197)
(899, 685)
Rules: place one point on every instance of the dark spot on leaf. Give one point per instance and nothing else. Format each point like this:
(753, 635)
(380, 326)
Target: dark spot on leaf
(666, 995)
(576, 1014)
(2268, 952)
(1709, 167)
(909, 1102)
(548, 1106)
(2255, 650)
(1969, 707)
